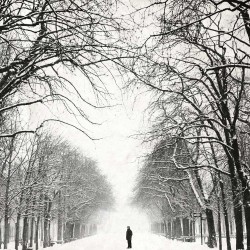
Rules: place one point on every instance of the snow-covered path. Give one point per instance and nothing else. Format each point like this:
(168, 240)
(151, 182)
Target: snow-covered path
(143, 241)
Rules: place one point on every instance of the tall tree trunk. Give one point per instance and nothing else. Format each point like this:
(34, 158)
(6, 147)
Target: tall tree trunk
(247, 220)
(0, 235)
(225, 213)
(25, 232)
(171, 229)
(18, 218)
(193, 228)
(211, 229)
(238, 223)
(48, 204)
(32, 222)
(209, 213)
(6, 207)
(6, 217)
(26, 219)
(237, 200)
(32, 231)
(165, 227)
(246, 203)
(221, 185)
(186, 227)
(60, 218)
(174, 228)
(46, 233)
(6, 230)
(219, 223)
(244, 186)
(36, 233)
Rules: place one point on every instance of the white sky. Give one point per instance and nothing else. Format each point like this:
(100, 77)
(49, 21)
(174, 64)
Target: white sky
(118, 153)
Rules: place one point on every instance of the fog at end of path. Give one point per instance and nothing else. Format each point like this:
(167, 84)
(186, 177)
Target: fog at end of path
(116, 222)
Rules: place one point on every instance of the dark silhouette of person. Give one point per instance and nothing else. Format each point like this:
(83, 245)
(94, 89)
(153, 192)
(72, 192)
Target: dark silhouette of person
(129, 234)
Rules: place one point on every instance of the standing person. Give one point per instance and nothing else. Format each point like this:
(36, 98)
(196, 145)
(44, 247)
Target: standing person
(129, 234)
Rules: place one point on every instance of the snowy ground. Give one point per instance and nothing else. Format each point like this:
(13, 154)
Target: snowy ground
(141, 241)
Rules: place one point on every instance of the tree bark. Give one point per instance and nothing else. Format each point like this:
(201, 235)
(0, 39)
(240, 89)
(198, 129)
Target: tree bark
(211, 229)
(247, 220)
(237, 199)
(6, 207)
(0, 236)
(237, 214)
(171, 229)
(225, 213)
(209, 213)
(32, 223)
(48, 204)
(36, 233)
(219, 223)
(238, 223)
(60, 219)
(165, 227)
(6, 230)
(18, 218)
(32, 231)
(25, 232)
(46, 233)
(244, 188)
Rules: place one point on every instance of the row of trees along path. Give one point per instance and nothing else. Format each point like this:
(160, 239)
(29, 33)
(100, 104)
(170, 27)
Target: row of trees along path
(197, 68)
(43, 45)
(43, 179)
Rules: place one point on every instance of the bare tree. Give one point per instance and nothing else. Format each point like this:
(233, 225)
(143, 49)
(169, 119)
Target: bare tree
(44, 43)
(44, 178)
(164, 187)
(197, 64)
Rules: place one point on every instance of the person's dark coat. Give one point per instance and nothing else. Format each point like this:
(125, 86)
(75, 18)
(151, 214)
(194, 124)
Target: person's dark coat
(129, 234)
